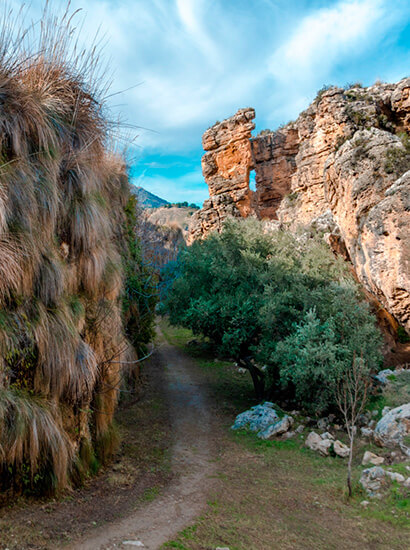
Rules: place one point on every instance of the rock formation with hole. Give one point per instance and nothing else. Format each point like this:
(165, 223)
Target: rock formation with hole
(341, 168)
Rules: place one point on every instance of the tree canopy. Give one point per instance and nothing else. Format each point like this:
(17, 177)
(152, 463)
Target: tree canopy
(281, 305)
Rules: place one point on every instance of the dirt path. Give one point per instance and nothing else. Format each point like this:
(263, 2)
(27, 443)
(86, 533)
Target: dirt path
(155, 523)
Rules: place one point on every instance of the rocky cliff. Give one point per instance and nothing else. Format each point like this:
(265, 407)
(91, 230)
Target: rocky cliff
(342, 167)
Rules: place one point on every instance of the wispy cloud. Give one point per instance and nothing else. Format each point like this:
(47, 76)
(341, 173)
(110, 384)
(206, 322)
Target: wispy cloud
(198, 61)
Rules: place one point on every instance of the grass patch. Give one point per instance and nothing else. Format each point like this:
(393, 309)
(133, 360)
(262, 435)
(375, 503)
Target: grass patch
(278, 493)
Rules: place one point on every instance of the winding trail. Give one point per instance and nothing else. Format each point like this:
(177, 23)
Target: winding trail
(183, 499)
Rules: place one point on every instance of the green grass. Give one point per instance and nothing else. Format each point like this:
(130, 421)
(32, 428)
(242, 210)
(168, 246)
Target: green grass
(278, 493)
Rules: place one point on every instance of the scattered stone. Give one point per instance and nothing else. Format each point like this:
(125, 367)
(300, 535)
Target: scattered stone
(375, 412)
(373, 480)
(393, 427)
(365, 503)
(221, 548)
(394, 476)
(316, 443)
(337, 427)
(322, 423)
(241, 370)
(133, 543)
(277, 428)
(382, 376)
(300, 429)
(371, 458)
(341, 449)
(257, 419)
(288, 435)
(326, 435)
(407, 483)
(385, 410)
(366, 432)
(372, 424)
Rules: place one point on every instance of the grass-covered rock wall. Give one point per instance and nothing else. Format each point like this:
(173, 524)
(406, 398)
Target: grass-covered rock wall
(66, 253)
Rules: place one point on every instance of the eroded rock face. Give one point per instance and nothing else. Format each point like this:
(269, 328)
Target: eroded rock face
(226, 166)
(327, 170)
(372, 211)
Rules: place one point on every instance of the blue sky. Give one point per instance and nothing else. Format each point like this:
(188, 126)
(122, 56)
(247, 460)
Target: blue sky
(198, 61)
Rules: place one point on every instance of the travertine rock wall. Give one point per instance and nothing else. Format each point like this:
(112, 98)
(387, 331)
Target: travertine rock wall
(327, 169)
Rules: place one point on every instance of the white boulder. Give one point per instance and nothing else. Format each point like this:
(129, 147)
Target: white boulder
(316, 443)
(371, 458)
(278, 428)
(257, 418)
(341, 449)
(393, 427)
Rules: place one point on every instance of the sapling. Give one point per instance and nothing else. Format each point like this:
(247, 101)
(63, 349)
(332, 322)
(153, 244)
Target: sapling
(351, 398)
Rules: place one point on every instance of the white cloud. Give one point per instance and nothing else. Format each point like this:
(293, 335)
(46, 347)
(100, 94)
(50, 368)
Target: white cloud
(201, 60)
(323, 38)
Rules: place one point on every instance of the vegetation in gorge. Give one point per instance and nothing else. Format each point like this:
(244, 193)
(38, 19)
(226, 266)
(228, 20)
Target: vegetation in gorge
(282, 301)
(66, 247)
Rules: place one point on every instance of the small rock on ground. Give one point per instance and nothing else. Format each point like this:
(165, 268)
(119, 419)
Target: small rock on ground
(341, 449)
(371, 458)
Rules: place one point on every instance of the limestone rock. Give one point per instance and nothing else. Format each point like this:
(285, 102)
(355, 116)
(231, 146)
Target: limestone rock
(341, 449)
(382, 376)
(257, 418)
(371, 458)
(278, 428)
(393, 427)
(372, 212)
(367, 432)
(394, 476)
(316, 443)
(326, 435)
(225, 166)
(373, 480)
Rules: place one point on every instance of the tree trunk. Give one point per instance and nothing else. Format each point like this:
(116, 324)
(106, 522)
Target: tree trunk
(349, 465)
(258, 377)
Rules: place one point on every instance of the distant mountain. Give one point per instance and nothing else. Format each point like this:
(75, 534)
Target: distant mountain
(147, 199)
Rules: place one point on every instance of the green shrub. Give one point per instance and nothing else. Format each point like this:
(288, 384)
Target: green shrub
(397, 158)
(275, 299)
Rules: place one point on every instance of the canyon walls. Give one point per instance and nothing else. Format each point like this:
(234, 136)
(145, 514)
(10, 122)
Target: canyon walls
(341, 168)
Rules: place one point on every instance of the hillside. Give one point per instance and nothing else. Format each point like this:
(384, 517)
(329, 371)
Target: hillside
(178, 217)
(147, 199)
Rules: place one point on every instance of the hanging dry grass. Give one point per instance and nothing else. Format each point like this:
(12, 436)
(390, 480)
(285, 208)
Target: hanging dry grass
(62, 200)
(31, 433)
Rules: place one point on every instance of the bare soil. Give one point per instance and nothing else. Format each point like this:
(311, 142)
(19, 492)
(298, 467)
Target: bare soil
(158, 482)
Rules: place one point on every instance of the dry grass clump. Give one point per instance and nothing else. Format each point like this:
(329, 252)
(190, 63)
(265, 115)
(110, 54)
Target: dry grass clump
(62, 200)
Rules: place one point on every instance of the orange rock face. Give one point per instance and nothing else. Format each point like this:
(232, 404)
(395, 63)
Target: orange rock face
(226, 166)
(331, 169)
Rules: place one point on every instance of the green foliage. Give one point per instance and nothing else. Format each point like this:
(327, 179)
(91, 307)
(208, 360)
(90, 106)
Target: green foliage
(320, 93)
(140, 294)
(398, 158)
(275, 299)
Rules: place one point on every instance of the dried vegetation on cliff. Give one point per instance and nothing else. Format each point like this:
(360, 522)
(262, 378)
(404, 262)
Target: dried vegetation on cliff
(64, 242)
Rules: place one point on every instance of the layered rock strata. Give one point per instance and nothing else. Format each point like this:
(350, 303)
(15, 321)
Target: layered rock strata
(341, 167)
